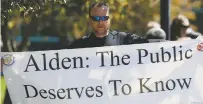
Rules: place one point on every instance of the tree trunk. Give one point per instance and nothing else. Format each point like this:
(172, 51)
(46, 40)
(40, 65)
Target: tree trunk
(4, 36)
(27, 30)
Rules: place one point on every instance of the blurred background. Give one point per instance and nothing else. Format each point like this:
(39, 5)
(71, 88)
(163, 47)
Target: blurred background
(30, 25)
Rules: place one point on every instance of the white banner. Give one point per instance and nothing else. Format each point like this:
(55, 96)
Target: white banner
(155, 73)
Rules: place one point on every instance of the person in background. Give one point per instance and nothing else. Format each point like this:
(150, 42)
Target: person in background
(156, 34)
(179, 26)
(152, 24)
(99, 20)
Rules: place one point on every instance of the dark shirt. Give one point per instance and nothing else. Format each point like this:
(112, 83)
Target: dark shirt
(112, 39)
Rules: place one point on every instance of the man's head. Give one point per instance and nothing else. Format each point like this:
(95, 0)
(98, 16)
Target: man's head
(152, 24)
(99, 18)
(156, 34)
(179, 26)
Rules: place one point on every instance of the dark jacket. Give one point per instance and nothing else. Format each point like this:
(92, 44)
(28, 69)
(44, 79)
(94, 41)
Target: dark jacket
(112, 39)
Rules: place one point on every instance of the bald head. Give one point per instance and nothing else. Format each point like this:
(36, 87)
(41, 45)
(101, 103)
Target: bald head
(99, 19)
(99, 5)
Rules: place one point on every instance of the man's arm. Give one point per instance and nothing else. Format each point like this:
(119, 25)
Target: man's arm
(134, 39)
(76, 44)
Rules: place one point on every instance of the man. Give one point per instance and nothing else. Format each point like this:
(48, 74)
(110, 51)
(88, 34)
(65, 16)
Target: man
(179, 26)
(102, 35)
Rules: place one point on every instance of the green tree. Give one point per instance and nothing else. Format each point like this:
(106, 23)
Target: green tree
(70, 17)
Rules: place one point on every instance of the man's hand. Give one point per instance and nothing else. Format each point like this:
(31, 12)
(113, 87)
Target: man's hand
(200, 38)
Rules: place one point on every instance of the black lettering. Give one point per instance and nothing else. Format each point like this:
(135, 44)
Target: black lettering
(27, 92)
(75, 62)
(57, 63)
(61, 91)
(79, 94)
(102, 57)
(144, 86)
(126, 57)
(181, 56)
(66, 59)
(186, 54)
(89, 89)
(129, 89)
(140, 55)
(184, 83)
(162, 86)
(173, 83)
(69, 89)
(99, 91)
(112, 59)
(174, 53)
(41, 93)
(34, 64)
(44, 60)
(156, 58)
(163, 55)
(52, 95)
(115, 86)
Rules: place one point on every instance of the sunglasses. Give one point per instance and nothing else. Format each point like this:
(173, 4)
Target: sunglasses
(99, 18)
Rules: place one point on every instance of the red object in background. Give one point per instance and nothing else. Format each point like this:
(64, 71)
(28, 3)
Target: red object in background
(200, 47)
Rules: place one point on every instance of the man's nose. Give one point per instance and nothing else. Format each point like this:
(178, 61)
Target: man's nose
(100, 21)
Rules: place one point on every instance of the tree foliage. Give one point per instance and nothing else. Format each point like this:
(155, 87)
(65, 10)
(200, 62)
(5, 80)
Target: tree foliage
(69, 18)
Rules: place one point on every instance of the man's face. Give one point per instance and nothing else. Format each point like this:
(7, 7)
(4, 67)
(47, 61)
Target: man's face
(183, 31)
(99, 20)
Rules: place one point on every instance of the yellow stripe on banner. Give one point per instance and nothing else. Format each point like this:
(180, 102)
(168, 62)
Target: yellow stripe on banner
(3, 90)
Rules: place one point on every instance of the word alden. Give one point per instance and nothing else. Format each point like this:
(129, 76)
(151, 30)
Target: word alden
(55, 63)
